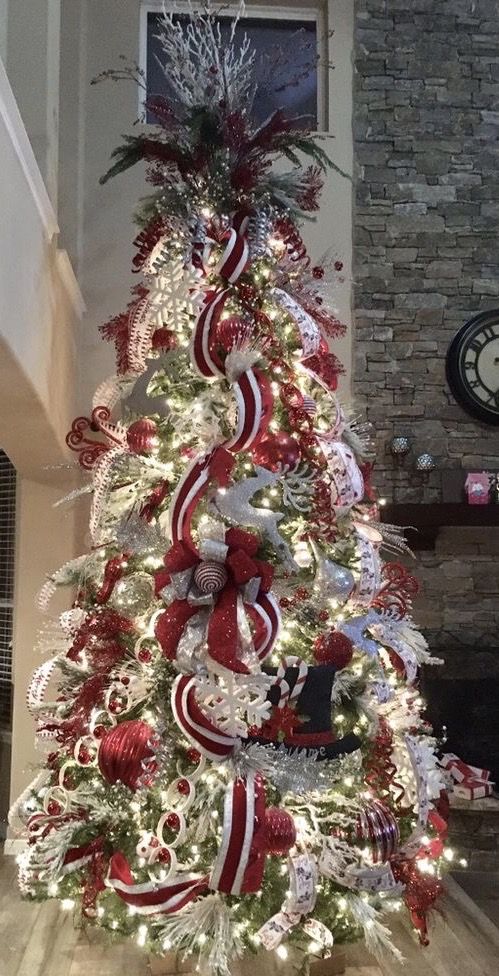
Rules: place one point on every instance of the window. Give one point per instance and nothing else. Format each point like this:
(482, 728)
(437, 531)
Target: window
(7, 552)
(287, 41)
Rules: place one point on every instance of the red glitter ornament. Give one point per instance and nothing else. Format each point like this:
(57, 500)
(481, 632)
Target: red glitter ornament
(193, 755)
(173, 821)
(164, 855)
(278, 450)
(144, 655)
(163, 338)
(318, 272)
(280, 831)
(54, 808)
(183, 787)
(333, 648)
(123, 752)
(142, 436)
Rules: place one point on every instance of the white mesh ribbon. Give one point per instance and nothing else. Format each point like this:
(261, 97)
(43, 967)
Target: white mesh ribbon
(307, 327)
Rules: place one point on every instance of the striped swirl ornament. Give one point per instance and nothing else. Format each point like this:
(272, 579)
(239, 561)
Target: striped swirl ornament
(210, 576)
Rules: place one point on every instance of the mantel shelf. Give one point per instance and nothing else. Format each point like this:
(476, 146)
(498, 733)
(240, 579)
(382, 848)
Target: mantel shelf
(423, 522)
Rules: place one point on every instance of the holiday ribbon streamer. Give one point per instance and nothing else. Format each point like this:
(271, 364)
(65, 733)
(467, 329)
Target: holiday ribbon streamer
(368, 542)
(309, 331)
(345, 473)
(334, 864)
(204, 735)
(413, 842)
(239, 865)
(153, 897)
(301, 901)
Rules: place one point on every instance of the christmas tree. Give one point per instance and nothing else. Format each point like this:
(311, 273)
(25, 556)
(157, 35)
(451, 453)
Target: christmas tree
(236, 755)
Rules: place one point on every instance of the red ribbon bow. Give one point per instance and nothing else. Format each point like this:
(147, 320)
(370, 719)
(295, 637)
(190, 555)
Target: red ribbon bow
(223, 627)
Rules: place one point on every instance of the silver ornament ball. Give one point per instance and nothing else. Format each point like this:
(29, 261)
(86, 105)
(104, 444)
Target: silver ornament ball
(134, 594)
(333, 581)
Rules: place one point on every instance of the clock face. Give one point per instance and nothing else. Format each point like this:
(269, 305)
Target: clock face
(473, 367)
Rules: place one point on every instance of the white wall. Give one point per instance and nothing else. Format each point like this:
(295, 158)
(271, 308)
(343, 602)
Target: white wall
(111, 30)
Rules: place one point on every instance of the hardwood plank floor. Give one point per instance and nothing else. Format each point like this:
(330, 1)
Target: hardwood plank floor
(40, 940)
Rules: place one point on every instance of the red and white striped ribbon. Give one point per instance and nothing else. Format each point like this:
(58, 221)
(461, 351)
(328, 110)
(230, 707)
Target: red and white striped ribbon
(153, 897)
(235, 257)
(195, 725)
(267, 609)
(188, 493)
(250, 413)
(240, 861)
(201, 343)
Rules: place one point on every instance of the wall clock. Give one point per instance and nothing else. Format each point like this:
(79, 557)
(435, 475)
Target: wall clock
(472, 367)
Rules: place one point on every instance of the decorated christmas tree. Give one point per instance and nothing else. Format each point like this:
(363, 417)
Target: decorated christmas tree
(235, 753)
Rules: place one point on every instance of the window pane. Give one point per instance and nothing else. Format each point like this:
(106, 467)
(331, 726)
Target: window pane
(286, 67)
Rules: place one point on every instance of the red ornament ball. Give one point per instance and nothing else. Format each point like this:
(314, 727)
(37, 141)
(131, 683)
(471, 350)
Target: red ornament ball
(377, 827)
(275, 451)
(193, 755)
(164, 856)
(123, 750)
(142, 436)
(173, 821)
(163, 338)
(144, 655)
(280, 831)
(54, 808)
(210, 576)
(233, 331)
(333, 648)
(183, 787)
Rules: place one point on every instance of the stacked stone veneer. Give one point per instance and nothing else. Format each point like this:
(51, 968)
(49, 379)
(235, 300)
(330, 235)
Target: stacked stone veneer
(426, 258)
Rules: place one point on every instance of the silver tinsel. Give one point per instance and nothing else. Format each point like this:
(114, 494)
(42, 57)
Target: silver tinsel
(135, 535)
(297, 771)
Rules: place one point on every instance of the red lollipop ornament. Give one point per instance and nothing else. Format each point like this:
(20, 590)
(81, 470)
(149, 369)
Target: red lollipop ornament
(276, 451)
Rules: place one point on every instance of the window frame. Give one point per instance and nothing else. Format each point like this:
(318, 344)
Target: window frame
(316, 13)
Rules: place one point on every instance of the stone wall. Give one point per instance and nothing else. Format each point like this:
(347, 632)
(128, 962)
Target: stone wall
(426, 258)
(426, 253)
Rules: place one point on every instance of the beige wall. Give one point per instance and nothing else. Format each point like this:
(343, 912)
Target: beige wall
(40, 306)
(32, 62)
(47, 538)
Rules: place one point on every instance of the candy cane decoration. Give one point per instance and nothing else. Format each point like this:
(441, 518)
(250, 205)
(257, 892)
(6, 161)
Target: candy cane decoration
(195, 725)
(286, 695)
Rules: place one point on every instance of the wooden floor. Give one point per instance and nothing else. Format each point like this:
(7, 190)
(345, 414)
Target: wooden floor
(39, 940)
